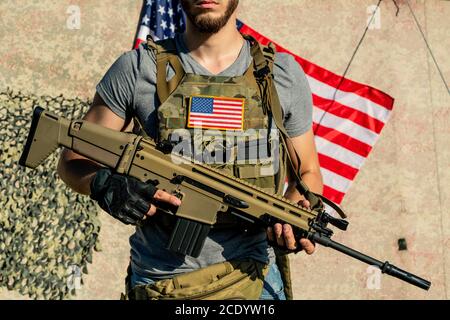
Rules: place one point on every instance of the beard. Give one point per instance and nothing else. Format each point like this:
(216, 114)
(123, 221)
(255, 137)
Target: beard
(205, 24)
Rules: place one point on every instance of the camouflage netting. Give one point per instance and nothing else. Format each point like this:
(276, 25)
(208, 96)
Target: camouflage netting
(47, 231)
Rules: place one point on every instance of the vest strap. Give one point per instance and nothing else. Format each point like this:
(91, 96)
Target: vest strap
(166, 55)
(263, 58)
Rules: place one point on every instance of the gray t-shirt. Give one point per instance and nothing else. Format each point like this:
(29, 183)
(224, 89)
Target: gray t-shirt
(129, 87)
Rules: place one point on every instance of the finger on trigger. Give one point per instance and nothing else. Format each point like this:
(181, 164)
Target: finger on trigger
(151, 211)
(167, 197)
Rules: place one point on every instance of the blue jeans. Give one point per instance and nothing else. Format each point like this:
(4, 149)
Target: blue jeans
(273, 284)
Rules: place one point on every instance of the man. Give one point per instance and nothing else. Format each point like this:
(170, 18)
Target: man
(211, 46)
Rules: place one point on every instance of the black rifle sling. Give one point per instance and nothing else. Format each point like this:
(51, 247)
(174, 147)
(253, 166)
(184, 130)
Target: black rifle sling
(263, 66)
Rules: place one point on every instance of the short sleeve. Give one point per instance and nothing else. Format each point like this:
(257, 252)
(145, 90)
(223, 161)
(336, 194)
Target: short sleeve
(118, 84)
(295, 94)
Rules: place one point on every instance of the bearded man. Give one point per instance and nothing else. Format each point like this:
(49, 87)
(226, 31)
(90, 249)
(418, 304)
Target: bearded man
(162, 87)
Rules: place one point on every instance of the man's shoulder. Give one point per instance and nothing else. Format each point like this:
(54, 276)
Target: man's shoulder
(133, 59)
(145, 50)
(284, 59)
(287, 70)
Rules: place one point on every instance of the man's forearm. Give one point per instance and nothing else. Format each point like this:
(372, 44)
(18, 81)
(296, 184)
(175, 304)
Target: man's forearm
(314, 182)
(77, 173)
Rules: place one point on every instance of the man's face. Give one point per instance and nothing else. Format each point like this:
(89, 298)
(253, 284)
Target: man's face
(209, 16)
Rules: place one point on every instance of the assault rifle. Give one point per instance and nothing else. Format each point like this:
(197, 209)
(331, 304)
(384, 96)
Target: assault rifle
(199, 186)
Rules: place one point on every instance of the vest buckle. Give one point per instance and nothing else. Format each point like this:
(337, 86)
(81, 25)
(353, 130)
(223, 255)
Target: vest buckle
(262, 73)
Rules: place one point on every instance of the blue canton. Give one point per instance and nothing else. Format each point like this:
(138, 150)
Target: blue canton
(202, 105)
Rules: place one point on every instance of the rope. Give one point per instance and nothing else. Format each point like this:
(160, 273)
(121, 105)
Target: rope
(350, 63)
(428, 46)
(398, 8)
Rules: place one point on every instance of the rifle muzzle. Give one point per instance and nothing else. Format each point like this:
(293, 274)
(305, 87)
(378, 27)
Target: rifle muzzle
(405, 276)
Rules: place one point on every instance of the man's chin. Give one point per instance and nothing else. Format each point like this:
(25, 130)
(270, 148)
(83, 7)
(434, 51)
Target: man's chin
(207, 24)
(208, 14)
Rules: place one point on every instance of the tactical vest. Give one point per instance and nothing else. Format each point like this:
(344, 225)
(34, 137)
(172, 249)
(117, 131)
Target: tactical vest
(252, 152)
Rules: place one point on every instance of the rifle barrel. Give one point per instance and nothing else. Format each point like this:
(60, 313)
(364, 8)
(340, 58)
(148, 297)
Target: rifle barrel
(385, 267)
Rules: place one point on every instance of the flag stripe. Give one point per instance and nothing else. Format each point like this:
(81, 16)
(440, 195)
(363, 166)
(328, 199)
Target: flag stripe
(345, 126)
(343, 111)
(227, 102)
(347, 86)
(138, 42)
(214, 125)
(208, 119)
(221, 122)
(143, 32)
(339, 153)
(225, 111)
(338, 182)
(342, 139)
(350, 100)
(218, 115)
(333, 194)
(337, 167)
(221, 107)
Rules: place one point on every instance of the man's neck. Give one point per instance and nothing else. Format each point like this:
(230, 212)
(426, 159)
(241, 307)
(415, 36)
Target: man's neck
(215, 52)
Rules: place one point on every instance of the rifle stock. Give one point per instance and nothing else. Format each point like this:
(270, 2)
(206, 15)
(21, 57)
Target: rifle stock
(198, 186)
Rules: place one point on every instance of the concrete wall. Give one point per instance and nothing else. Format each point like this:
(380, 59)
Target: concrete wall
(401, 190)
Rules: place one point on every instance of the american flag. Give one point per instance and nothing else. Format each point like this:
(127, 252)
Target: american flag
(347, 116)
(215, 113)
(160, 18)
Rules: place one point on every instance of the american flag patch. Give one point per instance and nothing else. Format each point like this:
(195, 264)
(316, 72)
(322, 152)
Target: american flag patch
(216, 113)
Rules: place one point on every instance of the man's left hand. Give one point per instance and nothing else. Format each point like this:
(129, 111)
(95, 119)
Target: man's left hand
(284, 235)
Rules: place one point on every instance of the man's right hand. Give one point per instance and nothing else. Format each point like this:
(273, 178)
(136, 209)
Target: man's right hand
(126, 198)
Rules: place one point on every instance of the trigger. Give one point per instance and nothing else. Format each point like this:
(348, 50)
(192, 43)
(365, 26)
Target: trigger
(178, 194)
